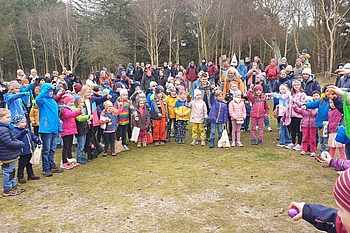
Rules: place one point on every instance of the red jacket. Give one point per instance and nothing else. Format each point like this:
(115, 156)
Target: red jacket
(272, 72)
(212, 70)
(260, 106)
(191, 73)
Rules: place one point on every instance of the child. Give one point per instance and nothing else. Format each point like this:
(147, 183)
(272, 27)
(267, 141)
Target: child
(159, 116)
(334, 117)
(69, 128)
(182, 111)
(123, 116)
(106, 89)
(143, 122)
(10, 148)
(217, 115)
(298, 97)
(325, 218)
(82, 128)
(109, 116)
(198, 114)
(34, 113)
(308, 128)
(171, 100)
(284, 113)
(238, 114)
(27, 138)
(248, 109)
(13, 99)
(260, 109)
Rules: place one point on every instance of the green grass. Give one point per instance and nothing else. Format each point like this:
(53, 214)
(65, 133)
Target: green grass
(175, 188)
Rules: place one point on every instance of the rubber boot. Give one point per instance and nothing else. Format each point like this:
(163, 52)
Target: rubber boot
(211, 142)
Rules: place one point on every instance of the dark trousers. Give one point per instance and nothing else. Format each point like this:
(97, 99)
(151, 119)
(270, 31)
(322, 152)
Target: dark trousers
(36, 130)
(295, 130)
(121, 133)
(109, 139)
(67, 148)
(246, 123)
(23, 162)
(181, 129)
(99, 133)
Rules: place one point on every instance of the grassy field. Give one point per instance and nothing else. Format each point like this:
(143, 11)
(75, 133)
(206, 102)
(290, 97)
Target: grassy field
(175, 188)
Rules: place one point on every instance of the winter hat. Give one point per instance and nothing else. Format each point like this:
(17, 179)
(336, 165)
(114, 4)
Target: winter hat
(298, 59)
(289, 68)
(24, 81)
(152, 84)
(304, 51)
(284, 59)
(197, 92)
(258, 88)
(241, 61)
(284, 86)
(136, 84)
(170, 78)
(77, 87)
(347, 66)
(296, 82)
(123, 91)
(118, 85)
(182, 92)
(262, 76)
(158, 90)
(107, 104)
(341, 190)
(14, 85)
(18, 118)
(192, 62)
(273, 60)
(308, 98)
(238, 93)
(106, 82)
(141, 99)
(307, 71)
(67, 98)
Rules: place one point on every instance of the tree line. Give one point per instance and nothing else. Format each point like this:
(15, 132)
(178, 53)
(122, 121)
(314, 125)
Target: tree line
(85, 35)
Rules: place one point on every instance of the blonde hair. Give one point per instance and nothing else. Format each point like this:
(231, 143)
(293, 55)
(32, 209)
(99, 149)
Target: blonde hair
(83, 90)
(218, 93)
(4, 112)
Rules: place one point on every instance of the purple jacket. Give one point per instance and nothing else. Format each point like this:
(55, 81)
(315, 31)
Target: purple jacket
(307, 121)
(340, 164)
(69, 127)
(334, 117)
(218, 111)
(299, 99)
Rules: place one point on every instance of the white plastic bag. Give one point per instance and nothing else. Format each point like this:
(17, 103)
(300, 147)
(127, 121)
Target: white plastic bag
(224, 141)
(36, 155)
(135, 134)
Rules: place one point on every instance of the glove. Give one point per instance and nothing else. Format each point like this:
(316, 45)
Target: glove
(25, 131)
(22, 133)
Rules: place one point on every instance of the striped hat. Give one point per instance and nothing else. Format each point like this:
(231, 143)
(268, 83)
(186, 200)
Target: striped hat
(342, 190)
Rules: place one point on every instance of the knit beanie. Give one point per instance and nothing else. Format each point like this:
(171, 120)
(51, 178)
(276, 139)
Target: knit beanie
(262, 76)
(182, 92)
(67, 98)
(258, 88)
(197, 92)
(296, 82)
(18, 118)
(342, 190)
(14, 85)
(152, 84)
(77, 87)
(158, 90)
(123, 91)
(307, 71)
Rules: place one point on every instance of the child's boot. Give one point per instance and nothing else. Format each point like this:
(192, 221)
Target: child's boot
(139, 144)
(21, 180)
(211, 142)
(203, 143)
(144, 143)
(194, 142)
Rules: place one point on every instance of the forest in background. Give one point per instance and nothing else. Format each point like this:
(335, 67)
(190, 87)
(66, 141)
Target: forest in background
(85, 35)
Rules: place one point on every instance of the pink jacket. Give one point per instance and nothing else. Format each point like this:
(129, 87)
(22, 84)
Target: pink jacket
(260, 107)
(307, 121)
(334, 117)
(299, 99)
(198, 111)
(237, 110)
(69, 126)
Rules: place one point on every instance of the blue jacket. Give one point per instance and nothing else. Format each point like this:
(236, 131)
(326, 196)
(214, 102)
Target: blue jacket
(10, 146)
(323, 109)
(14, 103)
(242, 69)
(27, 139)
(310, 85)
(248, 109)
(48, 111)
(218, 112)
(321, 217)
(113, 119)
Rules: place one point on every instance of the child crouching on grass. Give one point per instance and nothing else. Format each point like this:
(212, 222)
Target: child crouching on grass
(217, 115)
(27, 137)
(198, 114)
(10, 150)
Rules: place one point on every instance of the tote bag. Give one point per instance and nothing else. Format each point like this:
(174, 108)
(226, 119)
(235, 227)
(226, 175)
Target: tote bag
(135, 134)
(36, 155)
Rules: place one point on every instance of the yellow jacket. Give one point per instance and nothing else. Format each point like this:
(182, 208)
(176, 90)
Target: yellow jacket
(182, 108)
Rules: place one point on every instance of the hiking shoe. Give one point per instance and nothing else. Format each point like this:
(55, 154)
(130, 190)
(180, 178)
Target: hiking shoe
(203, 143)
(105, 153)
(253, 142)
(259, 142)
(126, 147)
(162, 143)
(33, 177)
(22, 180)
(144, 143)
(312, 154)
(280, 145)
(194, 142)
(11, 192)
(290, 146)
(269, 129)
(47, 173)
(138, 144)
(113, 153)
(56, 169)
(239, 144)
(233, 144)
(297, 147)
(21, 190)
(67, 166)
(157, 143)
(303, 153)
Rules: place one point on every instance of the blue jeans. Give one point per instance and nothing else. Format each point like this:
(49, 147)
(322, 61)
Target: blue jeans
(8, 176)
(324, 144)
(246, 123)
(215, 126)
(80, 148)
(49, 148)
(271, 83)
(284, 135)
(347, 151)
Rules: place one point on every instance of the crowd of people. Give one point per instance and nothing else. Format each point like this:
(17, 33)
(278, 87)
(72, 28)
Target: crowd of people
(59, 110)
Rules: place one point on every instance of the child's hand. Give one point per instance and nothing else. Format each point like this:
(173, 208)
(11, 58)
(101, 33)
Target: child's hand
(121, 104)
(251, 87)
(91, 116)
(136, 118)
(109, 96)
(327, 160)
(303, 107)
(159, 114)
(324, 122)
(33, 122)
(182, 115)
(299, 206)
